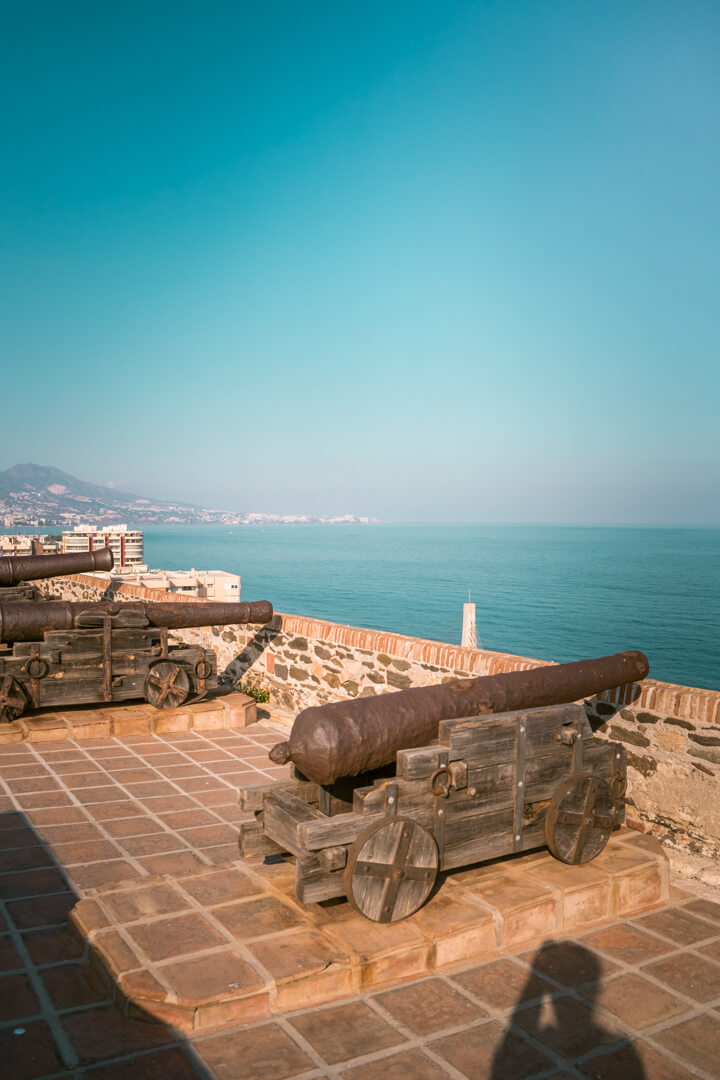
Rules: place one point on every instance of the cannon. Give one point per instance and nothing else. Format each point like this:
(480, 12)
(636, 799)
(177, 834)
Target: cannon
(387, 792)
(17, 569)
(73, 653)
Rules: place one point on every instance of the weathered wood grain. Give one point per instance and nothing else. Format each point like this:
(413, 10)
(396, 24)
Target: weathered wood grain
(252, 796)
(332, 858)
(283, 814)
(254, 842)
(314, 883)
(391, 870)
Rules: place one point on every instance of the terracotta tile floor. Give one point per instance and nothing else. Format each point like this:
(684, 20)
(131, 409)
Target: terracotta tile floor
(636, 1000)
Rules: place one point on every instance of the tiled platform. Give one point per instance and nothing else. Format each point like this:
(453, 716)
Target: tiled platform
(233, 944)
(221, 709)
(139, 834)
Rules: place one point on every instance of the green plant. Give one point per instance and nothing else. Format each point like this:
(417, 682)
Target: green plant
(255, 688)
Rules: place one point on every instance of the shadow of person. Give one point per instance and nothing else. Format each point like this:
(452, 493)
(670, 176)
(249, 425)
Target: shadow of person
(555, 1019)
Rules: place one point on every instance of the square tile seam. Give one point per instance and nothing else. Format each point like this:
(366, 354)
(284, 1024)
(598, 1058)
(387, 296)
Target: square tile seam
(48, 1011)
(662, 1049)
(266, 886)
(556, 892)
(78, 804)
(139, 867)
(352, 957)
(412, 1040)
(155, 967)
(424, 1043)
(205, 807)
(256, 740)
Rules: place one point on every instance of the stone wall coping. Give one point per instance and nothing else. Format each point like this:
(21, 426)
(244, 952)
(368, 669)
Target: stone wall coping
(692, 703)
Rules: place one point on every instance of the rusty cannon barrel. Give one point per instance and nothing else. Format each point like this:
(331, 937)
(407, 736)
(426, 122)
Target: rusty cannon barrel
(347, 738)
(17, 568)
(25, 621)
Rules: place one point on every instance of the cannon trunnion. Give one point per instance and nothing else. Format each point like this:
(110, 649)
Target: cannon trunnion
(488, 786)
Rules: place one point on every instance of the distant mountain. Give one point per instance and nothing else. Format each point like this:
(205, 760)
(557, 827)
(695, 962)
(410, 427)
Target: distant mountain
(44, 492)
(47, 478)
(43, 495)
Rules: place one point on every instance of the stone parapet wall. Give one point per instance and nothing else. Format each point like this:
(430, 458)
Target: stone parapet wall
(672, 733)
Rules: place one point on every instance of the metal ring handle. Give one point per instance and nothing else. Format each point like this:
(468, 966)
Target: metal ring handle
(441, 790)
(203, 669)
(36, 668)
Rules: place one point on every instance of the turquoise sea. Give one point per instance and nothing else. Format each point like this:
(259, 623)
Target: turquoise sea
(555, 592)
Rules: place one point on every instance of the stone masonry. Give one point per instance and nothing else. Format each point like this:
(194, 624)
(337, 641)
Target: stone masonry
(672, 732)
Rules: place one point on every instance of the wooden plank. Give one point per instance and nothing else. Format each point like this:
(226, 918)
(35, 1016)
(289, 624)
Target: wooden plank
(519, 779)
(254, 842)
(314, 883)
(418, 762)
(333, 832)
(107, 658)
(490, 739)
(252, 796)
(492, 846)
(554, 714)
(494, 786)
(283, 815)
(371, 800)
(332, 858)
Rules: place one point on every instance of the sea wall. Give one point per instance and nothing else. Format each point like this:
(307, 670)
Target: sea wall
(672, 733)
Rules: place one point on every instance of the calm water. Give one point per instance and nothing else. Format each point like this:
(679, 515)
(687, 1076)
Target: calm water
(556, 592)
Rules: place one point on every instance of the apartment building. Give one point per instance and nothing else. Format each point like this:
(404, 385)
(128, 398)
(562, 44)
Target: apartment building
(207, 584)
(127, 545)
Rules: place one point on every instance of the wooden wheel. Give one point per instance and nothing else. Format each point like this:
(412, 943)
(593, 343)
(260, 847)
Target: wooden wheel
(167, 685)
(581, 815)
(391, 869)
(13, 700)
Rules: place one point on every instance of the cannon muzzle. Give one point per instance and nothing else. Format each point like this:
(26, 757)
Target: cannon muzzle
(25, 621)
(17, 568)
(347, 738)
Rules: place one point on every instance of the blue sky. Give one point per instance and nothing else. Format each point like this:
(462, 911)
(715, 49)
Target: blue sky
(422, 261)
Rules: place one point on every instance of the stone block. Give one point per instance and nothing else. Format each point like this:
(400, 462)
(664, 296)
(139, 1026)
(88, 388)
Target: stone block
(586, 906)
(243, 1010)
(109, 951)
(526, 908)
(456, 929)
(49, 728)
(170, 720)
(207, 716)
(584, 892)
(211, 978)
(241, 710)
(181, 1017)
(88, 724)
(85, 918)
(11, 733)
(131, 720)
(537, 920)
(639, 890)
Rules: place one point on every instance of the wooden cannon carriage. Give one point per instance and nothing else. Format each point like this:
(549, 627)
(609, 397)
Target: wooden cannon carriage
(388, 791)
(66, 653)
(489, 786)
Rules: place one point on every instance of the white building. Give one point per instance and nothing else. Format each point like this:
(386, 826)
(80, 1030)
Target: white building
(127, 545)
(30, 545)
(207, 584)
